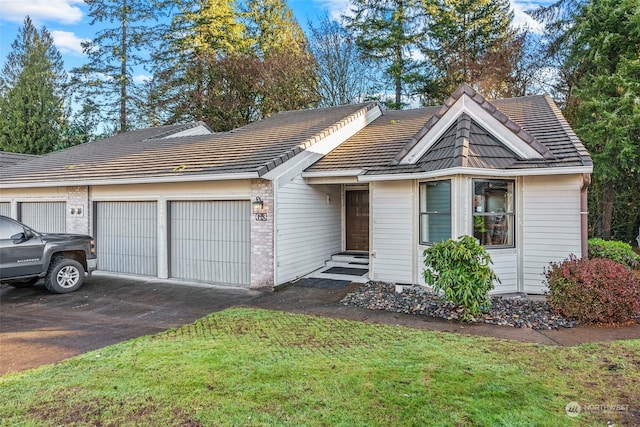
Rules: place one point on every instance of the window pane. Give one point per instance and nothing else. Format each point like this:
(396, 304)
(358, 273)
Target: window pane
(493, 212)
(438, 194)
(435, 211)
(493, 196)
(439, 227)
(493, 229)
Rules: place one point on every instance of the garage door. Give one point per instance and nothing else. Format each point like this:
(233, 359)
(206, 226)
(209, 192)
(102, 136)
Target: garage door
(46, 217)
(126, 237)
(210, 241)
(5, 208)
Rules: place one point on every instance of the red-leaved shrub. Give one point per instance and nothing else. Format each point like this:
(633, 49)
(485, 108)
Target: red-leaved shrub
(593, 290)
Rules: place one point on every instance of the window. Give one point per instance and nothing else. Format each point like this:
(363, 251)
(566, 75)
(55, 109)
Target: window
(9, 228)
(435, 211)
(493, 213)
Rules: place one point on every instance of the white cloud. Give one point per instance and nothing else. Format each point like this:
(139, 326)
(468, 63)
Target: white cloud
(335, 8)
(67, 42)
(141, 78)
(521, 19)
(59, 11)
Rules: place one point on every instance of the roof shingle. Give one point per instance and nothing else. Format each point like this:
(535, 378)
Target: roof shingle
(255, 148)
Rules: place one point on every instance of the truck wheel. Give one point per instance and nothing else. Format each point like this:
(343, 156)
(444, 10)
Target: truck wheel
(65, 275)
(26, 283)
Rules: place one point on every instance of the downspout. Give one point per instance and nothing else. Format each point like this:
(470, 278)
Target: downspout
(584, 215)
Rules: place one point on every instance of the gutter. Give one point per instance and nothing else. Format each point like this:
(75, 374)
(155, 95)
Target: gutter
(478, 172)
(127, 181)
(584, 215)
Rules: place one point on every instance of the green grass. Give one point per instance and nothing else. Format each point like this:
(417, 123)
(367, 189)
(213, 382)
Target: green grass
(258, 367)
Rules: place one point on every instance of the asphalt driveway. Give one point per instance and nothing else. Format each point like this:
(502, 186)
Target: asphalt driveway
(37, 327)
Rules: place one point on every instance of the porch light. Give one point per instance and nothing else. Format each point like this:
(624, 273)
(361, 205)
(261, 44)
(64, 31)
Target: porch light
(257, 205)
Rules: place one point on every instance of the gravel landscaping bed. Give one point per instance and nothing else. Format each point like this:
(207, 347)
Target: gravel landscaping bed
(518, 311)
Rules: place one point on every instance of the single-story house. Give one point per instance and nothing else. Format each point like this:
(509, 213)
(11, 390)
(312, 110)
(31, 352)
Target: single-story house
(272, 201)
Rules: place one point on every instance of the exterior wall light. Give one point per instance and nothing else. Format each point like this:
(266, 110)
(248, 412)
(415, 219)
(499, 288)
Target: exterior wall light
(257, 205)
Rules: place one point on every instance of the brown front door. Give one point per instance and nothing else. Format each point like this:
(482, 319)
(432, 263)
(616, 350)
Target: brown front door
(357, 220)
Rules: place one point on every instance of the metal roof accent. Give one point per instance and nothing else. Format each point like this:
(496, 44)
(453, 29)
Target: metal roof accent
(458, 97)
(376, 148)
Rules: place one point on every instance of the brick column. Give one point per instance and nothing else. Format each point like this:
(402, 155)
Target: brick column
(79, 220)
(262, 240)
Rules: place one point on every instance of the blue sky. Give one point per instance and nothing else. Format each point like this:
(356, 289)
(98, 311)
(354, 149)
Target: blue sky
(67, 21)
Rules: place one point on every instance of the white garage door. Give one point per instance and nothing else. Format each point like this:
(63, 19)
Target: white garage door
(5, 208)
(126, 237)
(46, 217)
(210, 241)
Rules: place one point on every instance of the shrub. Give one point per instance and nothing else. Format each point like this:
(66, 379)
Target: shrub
(461, 269)
(593, 290)
(615, 250)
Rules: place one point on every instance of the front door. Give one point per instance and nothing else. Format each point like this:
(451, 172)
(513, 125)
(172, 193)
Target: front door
(357, 220)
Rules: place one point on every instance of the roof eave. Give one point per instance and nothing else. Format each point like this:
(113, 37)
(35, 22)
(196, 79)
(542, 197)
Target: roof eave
(478, 172)
(133, 181)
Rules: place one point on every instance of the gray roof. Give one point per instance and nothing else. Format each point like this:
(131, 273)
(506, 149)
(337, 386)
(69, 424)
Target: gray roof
(7, 158)
(536, 120)
(148, 153)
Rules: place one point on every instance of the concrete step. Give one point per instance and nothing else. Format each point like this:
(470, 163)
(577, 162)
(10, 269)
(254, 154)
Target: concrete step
(350, 264)
(355, 257)
(337, 268)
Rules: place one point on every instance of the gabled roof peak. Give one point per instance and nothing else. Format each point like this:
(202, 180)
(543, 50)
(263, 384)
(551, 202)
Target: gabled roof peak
(467, 100)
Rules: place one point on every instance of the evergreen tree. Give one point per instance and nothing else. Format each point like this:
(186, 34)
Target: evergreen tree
(287, 75)
(272, 28)
(388, 33)
(229, 67)
(116, 50)
(32, 119)
(603, 107)
(470, 41)
(201, 34)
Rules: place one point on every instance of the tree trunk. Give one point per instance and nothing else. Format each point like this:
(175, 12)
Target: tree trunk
(123, 70)
(607, 210)
(400, 71)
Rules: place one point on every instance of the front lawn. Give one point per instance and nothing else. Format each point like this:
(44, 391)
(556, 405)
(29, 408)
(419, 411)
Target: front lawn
(258, 367)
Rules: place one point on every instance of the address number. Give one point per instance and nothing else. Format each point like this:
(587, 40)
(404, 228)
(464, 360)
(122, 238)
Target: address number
(261, 217)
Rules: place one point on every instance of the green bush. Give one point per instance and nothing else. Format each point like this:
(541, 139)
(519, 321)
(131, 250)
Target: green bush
(461, 268)
(615, 250)
(593, 290)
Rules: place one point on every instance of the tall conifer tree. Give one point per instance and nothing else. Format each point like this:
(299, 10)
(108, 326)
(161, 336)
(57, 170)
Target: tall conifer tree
(131, 29)
(32, 119)
(388, 33)
(470, 41)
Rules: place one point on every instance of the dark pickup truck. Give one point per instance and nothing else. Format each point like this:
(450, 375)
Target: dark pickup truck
(26, 256)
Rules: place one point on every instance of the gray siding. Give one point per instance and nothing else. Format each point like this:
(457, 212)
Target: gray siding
(210, 241)
(5, 208)
(551, 225)
(393, 224)
(46, 217)
(126, 237)
(308, 227)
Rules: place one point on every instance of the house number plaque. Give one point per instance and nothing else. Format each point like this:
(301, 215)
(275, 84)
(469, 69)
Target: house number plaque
(261, 217)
